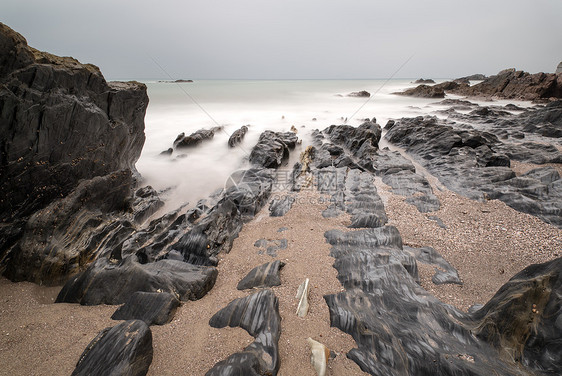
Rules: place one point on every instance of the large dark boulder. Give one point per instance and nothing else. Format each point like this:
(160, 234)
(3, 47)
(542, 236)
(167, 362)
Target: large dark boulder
(125, 349)
(69, 141)
(61, 122)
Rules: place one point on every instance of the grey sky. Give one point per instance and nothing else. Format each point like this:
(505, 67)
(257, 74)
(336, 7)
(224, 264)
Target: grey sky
(294, 39)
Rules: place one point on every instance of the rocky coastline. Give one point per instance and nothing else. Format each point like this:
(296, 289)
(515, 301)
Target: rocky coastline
(210, 289)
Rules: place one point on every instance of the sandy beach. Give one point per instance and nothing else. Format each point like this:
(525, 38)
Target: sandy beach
(487, 242)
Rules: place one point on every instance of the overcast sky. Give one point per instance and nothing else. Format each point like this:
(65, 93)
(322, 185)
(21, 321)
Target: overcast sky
(294, 39)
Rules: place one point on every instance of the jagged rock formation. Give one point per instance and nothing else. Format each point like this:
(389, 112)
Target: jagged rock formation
(433, 91)
(473, 77)
(125, 349)
(237, 136)
(154, 308)
(401, 329)
(273, 149)
(508, 84)
(182, 141)
(514, 84)
(69, 142)
(399, 173)
(476, 164)
(356, 194)
(259, 315)
(266, 275)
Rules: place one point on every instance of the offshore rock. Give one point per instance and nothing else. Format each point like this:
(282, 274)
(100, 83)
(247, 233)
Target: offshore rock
(273, 149)
(401, 329)
(266, 275)
(237, 136)
(433, 91)
(424, 81)
(196, 138)
(68, 144)
(359, 94)
(154, 308)
(514, 84)
(259, 315)
(125, 349)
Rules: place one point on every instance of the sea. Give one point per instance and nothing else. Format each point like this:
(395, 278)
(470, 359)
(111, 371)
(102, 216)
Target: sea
(192, 174)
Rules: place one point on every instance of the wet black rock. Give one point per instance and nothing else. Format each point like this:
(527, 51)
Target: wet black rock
(273, 149)
(167, 152)
(523, 320)
(400, 173)
(356, 195)
(113, 281)
(266, 275)
(433, 91)
(383, 306)
(475, 164)
(154, 308)
(237, 136)
(146, 202)
(48, 253)
(125, 349)
(250, 190)
(211, 235)
(444, 272)
(259, 315)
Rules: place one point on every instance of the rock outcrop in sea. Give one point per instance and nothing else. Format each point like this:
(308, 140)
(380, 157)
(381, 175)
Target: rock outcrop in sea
(508, 84)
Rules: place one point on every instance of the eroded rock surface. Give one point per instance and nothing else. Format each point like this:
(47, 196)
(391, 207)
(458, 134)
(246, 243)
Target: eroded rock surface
(69, 141)
(154, 308)
(476, 164)
(266, 275)
(125, 349)
(273, 149)
(259, 315)
(402, 329)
